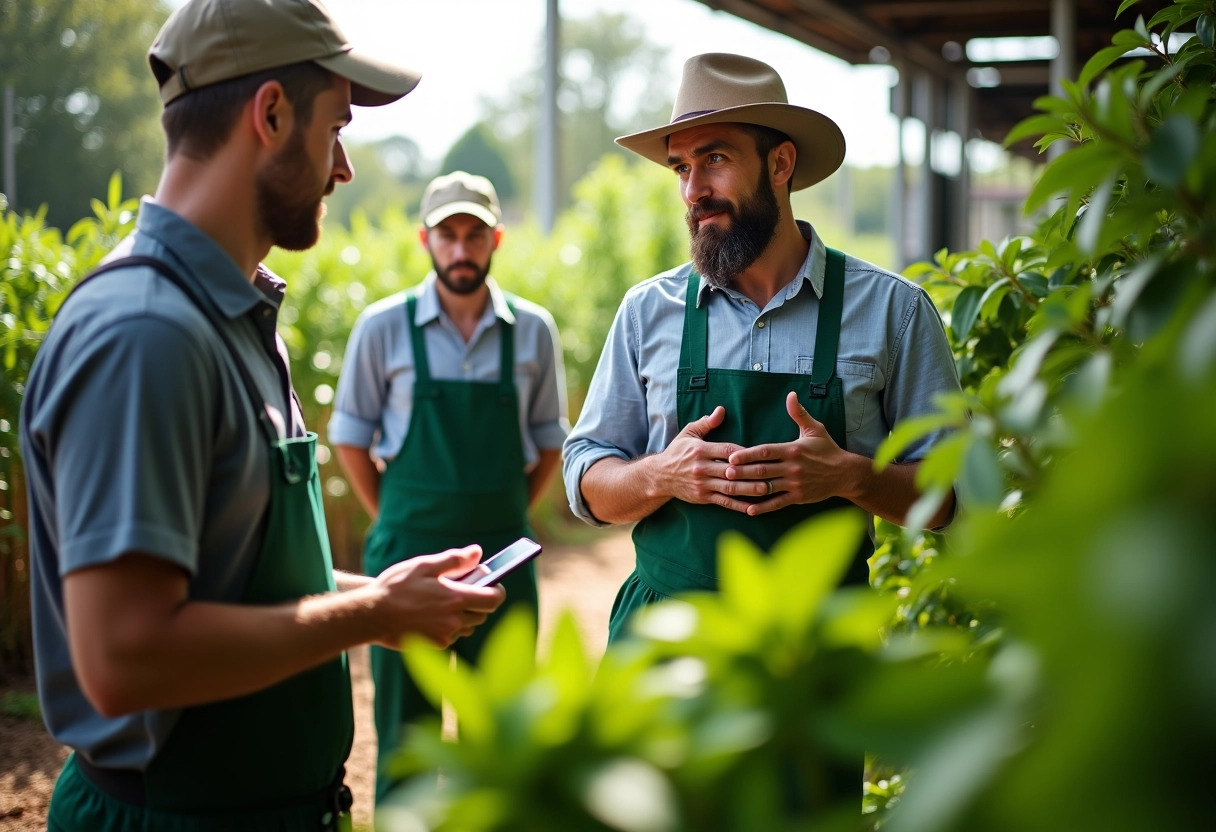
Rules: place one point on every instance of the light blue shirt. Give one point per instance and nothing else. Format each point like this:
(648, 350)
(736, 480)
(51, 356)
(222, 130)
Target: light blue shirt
(893, 359)
(376, 389)
(138, 436)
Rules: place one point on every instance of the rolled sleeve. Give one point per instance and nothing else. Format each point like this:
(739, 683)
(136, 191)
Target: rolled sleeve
(360, 398)
(548, 425)
(613, 421)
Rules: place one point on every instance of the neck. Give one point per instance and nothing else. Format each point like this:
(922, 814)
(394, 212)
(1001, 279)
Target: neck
(220, 200)
(777, 266)
(464, 311)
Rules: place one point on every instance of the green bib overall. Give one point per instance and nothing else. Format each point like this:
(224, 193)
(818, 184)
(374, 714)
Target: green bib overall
(676, 546)
(458, 479)
(271, 759)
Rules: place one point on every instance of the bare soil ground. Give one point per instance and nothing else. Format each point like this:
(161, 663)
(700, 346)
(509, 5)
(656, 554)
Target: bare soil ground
(581, 578)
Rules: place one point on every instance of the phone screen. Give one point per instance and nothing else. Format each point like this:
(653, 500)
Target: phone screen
(492, 570)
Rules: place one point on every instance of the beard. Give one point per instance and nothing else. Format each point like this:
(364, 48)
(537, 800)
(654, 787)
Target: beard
(288, 213)
(462, 285)
(721, 254)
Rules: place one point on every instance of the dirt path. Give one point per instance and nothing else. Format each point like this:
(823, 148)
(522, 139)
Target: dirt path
(581, 578)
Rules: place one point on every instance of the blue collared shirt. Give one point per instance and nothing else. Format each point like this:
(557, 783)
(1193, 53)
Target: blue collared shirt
(138, 436)
(893, 359)
(376, 389)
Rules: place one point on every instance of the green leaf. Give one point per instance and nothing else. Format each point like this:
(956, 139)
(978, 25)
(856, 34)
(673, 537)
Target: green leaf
(1034, 126)
(809, 562)
(1102, 59)
(114, 191)
(981, 483)
(907, 432)
(992, 297)
(743, 578)
(1125, 5)
(1204, 29)
(1077, 169)
(962, 315)
(1089, 230)
(1171, 150)
(1026, 368)
(508, 660)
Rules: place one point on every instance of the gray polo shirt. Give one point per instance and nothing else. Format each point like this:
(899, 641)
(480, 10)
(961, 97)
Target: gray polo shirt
(893, 359)
(376, 389)
(138, 436)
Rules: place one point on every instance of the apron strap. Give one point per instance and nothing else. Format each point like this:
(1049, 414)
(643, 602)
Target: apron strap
(208, 312)
(827, 330)
(694, 346)
(506, 354)
(422, 364)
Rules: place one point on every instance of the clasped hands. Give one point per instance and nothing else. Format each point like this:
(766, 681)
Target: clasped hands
(808, 469)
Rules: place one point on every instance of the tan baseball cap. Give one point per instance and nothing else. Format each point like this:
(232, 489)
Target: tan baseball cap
(208, 41)
(460, 193)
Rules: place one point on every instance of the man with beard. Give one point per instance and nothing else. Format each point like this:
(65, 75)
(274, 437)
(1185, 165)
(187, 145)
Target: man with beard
(189, 627)
(449, 419)
(749, 390)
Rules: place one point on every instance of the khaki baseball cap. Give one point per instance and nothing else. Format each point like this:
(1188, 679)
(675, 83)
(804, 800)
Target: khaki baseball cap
(460, 193)
(208, 41)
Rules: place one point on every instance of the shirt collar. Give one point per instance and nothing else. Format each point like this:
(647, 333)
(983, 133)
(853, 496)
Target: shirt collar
(205, 265)
(811, 272)
(429, 308)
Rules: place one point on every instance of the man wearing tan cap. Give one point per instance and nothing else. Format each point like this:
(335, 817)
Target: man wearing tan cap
(449, 419)
(749, 389)
(190, 630)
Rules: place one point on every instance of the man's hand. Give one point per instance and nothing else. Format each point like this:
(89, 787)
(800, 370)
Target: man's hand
(420, 596)
(695, 471)
(807, 470)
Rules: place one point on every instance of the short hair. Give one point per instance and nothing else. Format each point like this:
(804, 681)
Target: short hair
(198, 123)
(767, 138)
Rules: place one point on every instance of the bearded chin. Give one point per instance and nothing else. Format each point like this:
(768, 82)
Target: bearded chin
(721, 255)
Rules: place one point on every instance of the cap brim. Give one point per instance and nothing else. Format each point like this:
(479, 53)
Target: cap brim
(818, 139)
(453, 208)
(373, 83)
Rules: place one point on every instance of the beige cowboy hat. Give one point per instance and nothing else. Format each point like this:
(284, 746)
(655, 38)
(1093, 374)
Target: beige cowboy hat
(718, 87)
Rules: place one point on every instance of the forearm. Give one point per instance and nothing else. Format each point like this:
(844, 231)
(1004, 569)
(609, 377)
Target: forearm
(542, 472)
(347, 581)
(888, 493)
(620, 491)
(364, 476)
(205, 651)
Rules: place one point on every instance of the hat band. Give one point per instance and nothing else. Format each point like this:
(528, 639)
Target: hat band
(694, 114)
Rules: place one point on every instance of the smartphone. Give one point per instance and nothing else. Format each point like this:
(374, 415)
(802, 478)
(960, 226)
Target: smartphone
(490, 572)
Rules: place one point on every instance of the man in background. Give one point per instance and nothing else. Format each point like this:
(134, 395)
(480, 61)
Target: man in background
(449, 419)
(189, 628)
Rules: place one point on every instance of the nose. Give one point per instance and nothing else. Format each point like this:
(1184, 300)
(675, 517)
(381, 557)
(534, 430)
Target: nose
(695, 186)
(344, 171)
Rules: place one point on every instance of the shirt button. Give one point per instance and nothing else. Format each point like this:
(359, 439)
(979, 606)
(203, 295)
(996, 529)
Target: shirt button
(465, 366)
(760, 325)
(266, 313)
(757, 366)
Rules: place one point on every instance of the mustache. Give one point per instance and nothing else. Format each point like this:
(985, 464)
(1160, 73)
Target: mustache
(708, 207)
(468, 264)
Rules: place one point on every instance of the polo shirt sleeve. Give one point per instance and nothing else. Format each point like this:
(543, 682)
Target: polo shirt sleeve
(128, 423)
(359, 403)
(547, 420)
(613, 421)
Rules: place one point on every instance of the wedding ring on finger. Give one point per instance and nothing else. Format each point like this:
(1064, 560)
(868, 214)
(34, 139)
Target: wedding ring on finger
(768, 488)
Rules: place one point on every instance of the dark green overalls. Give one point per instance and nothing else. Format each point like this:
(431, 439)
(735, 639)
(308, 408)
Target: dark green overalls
(269, 760)
(458, 479)
(676, 546)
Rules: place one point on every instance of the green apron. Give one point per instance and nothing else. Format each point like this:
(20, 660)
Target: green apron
(271, 760)
(458, 479)
(676, 546)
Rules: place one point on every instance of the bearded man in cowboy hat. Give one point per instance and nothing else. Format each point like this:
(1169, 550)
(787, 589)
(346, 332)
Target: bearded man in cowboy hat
(749, 389)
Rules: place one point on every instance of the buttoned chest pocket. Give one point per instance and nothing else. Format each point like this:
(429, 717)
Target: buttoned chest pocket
(858, 380)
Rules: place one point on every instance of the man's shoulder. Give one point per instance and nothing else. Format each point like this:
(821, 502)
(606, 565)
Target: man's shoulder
(664, 286)
(866, 276)
(528, 311)
(381, 312)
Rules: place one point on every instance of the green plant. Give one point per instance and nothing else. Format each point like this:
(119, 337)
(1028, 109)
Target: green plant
(21, 706)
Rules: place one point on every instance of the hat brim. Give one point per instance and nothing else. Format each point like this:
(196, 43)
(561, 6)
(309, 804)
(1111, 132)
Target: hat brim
(818, 140)
(453, 208)
(373, 83)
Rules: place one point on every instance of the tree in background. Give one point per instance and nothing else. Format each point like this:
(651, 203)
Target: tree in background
(86, 104)
(479, 152)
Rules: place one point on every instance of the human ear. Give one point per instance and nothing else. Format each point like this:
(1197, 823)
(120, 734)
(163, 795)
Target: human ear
(271, 114)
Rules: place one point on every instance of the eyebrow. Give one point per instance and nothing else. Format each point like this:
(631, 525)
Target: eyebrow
(710, 147)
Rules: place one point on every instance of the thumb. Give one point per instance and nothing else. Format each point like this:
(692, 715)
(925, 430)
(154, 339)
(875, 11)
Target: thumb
(705, 424)
(807, 423)
(453, 562)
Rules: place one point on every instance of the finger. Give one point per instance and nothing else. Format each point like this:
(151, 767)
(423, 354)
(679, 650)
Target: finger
(756, 453)
(701, 427)
(777, 501)
(452, 563)
(753, 471)
(731, 503)
(749, 487)
(807, 423)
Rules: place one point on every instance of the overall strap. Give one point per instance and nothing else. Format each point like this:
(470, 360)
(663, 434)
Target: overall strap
(422, 364)
(208, 311)
(827, 332)
(694, 346)
(506, 356)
